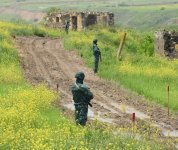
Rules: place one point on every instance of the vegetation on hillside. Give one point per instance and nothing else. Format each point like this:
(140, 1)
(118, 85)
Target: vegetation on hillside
(138, 14)
(139, 69)
(28, 120)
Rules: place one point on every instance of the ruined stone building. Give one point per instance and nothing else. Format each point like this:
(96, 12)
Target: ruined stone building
(166, 44)
(79, 20)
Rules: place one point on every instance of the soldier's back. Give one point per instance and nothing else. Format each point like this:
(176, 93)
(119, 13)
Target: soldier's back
(79, 93)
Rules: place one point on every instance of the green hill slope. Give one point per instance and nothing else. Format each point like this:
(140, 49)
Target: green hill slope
(28, 121)
(139, 70)
(139, 14)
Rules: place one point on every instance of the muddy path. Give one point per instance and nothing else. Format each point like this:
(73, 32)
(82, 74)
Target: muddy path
(45, 60)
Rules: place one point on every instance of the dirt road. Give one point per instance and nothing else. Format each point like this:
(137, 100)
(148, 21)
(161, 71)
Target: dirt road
(45, 60)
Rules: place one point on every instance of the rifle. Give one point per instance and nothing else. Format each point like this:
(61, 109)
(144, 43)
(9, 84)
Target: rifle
(81, 90)
(90, 104)
(100, 56)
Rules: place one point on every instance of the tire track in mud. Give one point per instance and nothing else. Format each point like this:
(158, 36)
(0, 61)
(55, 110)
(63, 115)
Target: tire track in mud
(55, 65)
(103, 108)
(48, 75)
(27, 56)
(46, 58)
(61, 60)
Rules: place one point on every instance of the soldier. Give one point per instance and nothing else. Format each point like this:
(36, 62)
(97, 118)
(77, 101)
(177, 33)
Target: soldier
(82, 97)
(97, 55)
(67, 26)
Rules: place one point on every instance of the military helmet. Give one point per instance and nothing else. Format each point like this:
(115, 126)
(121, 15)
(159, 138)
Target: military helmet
(80, 75)
(95, 41)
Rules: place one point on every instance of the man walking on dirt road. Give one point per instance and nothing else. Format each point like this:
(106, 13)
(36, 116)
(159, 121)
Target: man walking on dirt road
(82, 97)
(97, 55)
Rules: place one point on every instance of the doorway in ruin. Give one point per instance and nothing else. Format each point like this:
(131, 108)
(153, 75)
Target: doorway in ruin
(74, 22)
(57, 19)
(91, 20)
(104, 20)
(64, 19)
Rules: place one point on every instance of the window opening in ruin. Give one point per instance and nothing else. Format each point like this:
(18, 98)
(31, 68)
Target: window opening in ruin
(91, 20)
(74, 22)
(57, 19)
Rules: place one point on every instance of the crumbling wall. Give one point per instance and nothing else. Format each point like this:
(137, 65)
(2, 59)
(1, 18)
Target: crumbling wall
(166, 43)
(159, 43)
(56, 20)
(79, 20)
(91, 19)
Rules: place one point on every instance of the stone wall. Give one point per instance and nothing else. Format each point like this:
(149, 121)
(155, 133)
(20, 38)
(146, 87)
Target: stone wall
(166, 43)
(79, 20)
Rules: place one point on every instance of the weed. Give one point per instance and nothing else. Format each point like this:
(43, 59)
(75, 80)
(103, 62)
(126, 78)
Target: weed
(28, 121)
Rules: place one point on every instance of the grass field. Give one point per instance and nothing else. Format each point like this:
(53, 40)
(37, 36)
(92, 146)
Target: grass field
(139, 70)
(28, 120)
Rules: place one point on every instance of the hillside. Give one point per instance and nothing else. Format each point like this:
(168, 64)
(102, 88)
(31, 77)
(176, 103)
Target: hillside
(29, 118)
(139, 14)
(38, 65)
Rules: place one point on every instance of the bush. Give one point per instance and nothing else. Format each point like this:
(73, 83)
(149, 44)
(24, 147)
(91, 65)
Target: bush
(123, 4)
(39, 32)
(162, 8)
(53, 10)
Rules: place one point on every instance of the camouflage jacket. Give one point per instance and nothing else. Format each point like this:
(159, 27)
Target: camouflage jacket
(81, 93)
(67, 26)
(96, 50)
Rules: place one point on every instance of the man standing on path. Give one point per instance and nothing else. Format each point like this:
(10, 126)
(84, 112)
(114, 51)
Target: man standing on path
(82, 97)
(97, 55)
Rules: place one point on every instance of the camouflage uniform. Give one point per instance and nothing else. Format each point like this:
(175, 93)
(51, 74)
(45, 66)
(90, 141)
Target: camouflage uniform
(67, 27)
(82, 97)
(97, 55)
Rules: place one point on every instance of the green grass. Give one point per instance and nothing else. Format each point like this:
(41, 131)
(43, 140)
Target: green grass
(138, 17)
(9, 17)
(147, 17)
(139, 69)
(28, 120)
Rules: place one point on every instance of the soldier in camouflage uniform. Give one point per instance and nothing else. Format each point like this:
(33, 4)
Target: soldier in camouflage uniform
(97, 55)
(82, 97)
(67, 26)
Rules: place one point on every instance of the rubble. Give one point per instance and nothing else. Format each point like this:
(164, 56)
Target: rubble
(166, 43)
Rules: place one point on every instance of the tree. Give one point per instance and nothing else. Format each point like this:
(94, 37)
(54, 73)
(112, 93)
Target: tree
(53, 10)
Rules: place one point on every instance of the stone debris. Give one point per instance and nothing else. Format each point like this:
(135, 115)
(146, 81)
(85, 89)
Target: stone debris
(166, 43)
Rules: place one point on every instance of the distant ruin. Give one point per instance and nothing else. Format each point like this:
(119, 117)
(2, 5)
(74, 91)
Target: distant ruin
(79, 20)
(166, 44)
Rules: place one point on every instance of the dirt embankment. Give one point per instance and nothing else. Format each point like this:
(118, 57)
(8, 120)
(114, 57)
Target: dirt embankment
(45, 60)
(24, 14)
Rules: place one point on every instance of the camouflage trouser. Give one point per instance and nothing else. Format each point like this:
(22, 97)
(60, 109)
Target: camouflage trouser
(96, 61)
(81, 111)
(67, 30)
